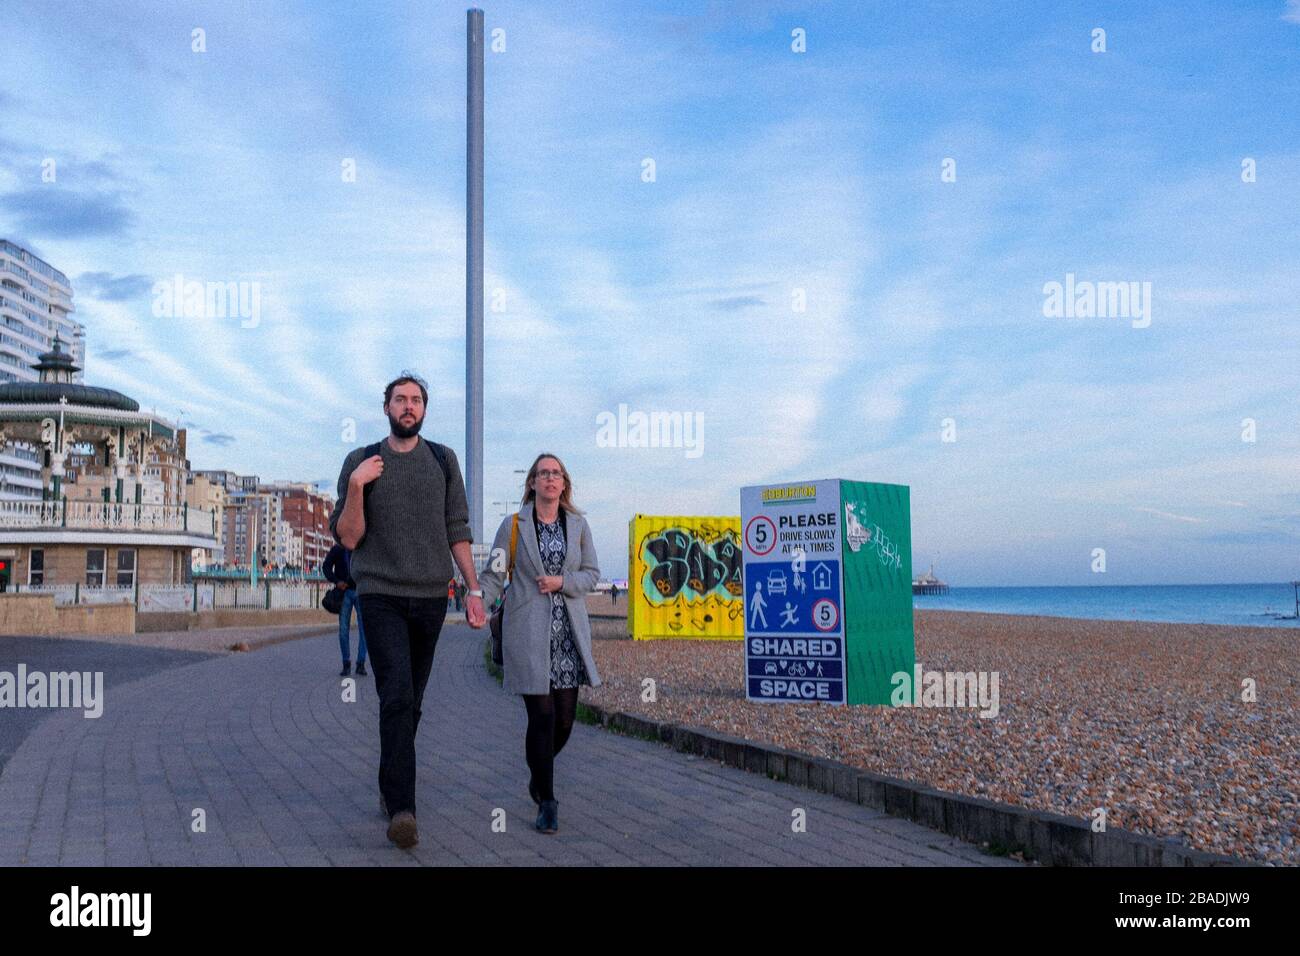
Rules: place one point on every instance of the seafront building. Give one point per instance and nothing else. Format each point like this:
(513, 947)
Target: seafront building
(35, 307)
(242, 519)
(287, 522)
(207, 495)
(96, 523)
(305, 512)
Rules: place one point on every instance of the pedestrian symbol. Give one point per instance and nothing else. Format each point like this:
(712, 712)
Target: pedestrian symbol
(758, 604)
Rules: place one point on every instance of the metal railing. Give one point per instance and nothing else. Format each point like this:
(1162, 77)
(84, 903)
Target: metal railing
(208, 575)
(197, 595)
(107, 516)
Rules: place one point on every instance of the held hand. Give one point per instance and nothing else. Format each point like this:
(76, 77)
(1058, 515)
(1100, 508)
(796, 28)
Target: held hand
(474, 612)
(367, 471)
(546, 583)
(341, 584)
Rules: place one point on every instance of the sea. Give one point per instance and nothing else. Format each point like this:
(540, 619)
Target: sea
(1255, 605)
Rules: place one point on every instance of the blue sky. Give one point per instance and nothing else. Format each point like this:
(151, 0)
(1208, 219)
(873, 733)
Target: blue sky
(775, 171)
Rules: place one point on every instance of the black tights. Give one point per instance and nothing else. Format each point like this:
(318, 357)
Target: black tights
(550, 720)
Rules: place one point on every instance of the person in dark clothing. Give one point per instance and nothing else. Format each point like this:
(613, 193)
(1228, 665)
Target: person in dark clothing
(403, 512)
(338, 570)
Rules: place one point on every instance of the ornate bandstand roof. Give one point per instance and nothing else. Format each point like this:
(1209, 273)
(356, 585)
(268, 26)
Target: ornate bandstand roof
(56, 369)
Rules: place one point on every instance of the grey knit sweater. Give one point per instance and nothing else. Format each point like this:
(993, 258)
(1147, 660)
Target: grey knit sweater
(412, 519)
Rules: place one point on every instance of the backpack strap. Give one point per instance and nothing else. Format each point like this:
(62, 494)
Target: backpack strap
(440, 453)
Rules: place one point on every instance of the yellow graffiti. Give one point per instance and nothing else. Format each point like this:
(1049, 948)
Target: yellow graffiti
(685, 578)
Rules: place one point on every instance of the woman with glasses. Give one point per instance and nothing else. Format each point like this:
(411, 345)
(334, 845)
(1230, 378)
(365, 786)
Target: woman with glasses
(545, 634)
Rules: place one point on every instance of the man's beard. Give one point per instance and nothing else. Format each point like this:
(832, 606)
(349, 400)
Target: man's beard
(404, 431)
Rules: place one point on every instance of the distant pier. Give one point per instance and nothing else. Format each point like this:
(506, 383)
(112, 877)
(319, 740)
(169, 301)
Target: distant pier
(929, 584)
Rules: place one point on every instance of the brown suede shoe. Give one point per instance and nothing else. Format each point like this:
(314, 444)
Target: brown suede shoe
(402, 830)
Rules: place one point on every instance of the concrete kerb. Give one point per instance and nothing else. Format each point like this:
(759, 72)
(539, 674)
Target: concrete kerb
(1048, 838)
(298, 633)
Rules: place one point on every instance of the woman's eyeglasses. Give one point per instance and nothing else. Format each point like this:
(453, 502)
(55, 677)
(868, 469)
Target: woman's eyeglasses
(550, 473)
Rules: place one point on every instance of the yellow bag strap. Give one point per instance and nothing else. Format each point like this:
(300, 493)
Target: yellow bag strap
(514, 536)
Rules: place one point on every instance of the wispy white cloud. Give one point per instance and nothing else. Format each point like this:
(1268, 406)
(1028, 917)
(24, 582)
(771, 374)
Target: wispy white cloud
(1170, 515)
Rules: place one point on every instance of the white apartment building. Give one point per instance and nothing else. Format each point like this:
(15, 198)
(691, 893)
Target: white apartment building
(20, 472)
(35, 306)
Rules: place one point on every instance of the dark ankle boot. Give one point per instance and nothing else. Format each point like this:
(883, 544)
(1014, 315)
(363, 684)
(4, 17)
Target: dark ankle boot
(347, 669)
(548, 819)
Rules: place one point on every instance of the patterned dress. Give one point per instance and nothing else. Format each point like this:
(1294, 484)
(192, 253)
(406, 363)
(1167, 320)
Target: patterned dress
(567, 669)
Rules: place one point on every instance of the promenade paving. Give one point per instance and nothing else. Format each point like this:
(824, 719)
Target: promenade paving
(284, 772)
(120, 664)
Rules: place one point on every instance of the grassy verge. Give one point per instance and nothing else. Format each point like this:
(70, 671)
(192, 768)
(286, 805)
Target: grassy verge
(492, 668)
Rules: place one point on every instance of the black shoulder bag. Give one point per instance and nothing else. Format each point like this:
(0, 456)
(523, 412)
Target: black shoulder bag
(498, 616)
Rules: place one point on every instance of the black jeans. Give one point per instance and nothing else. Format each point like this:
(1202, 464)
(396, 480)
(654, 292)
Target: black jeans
(401, 634)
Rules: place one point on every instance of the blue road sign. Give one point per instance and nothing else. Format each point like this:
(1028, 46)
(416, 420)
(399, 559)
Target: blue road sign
(794, 634)
(780, 599)
(794, 592)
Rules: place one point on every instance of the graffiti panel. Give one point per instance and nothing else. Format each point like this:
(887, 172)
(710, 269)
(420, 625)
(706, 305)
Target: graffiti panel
(685, 577)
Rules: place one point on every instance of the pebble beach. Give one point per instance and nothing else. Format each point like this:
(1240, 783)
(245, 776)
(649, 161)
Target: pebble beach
(1144, 719)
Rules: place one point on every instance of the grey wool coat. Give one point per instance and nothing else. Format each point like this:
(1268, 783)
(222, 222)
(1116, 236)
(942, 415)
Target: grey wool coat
(526, 634)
